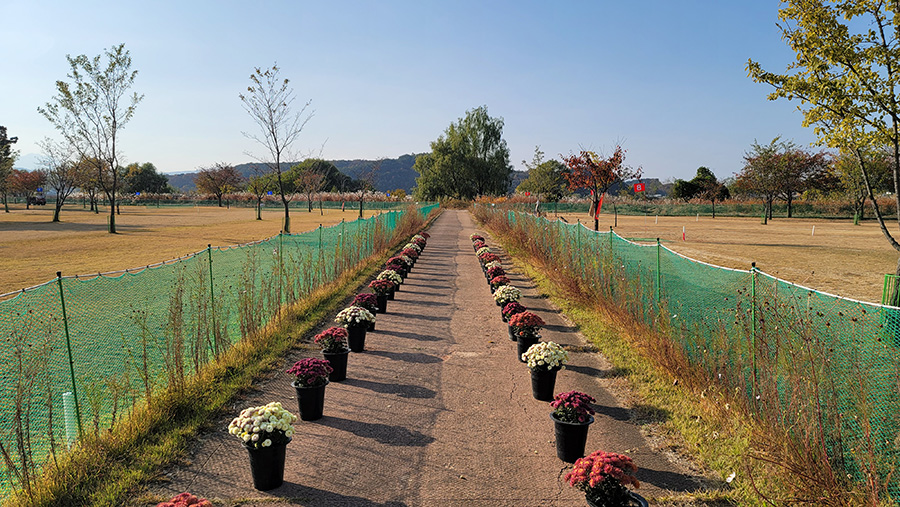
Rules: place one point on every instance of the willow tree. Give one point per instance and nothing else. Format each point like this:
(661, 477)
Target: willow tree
(846, 78)
(91, 111)
(468, 160)
(270, 101)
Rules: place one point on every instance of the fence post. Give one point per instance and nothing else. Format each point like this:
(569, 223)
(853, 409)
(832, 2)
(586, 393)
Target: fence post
(580, 253)
(658, 273)
(65, 319)
(212, 300)
(280, 269)
(753, 318)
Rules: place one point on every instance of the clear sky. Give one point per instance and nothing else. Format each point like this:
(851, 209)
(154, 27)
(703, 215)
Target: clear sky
(665, 79)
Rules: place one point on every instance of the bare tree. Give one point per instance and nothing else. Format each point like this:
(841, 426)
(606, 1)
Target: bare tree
(367, 183)
(62, 172)
(269, 102)
(91, 110)
(7, 159)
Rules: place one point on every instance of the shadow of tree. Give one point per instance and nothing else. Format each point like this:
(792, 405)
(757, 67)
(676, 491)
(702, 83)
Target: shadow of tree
(398, 436)
(412, 336)
(402, 390)
(299, 494)
(670, 480)
(409, 357)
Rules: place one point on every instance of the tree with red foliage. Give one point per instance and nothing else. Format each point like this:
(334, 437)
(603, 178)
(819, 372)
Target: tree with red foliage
(24, 183)
(590, 171)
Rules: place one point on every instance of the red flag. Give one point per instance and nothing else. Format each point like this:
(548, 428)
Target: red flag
(599, 205)
(638, 187)
(342, 206)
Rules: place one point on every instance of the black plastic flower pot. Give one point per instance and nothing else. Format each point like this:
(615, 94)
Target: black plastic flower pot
(310, 401)
(338, 362)
(571, 438)
(356, 337)
(390, 295)
(267, 466)
(512, 334)
(542, 384)
(522, 345)
(382, 302)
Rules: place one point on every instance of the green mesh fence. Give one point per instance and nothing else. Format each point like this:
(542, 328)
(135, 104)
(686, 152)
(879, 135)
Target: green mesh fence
(823, 369)
(81, 352)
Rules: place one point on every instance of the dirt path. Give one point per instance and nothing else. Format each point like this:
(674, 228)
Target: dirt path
(436, 411)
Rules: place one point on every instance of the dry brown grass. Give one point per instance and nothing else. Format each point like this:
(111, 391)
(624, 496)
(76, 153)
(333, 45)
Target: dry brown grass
(33, 249)
(841, 258)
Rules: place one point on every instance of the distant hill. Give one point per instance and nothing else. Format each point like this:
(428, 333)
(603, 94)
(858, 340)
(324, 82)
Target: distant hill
(392, 173)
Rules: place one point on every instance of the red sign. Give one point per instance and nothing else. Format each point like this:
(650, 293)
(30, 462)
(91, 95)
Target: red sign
(527, 193)
(638, 187)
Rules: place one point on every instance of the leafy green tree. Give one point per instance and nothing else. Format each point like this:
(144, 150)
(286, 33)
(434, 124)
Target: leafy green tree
(61, 172)
(144, 178)
(259, 186)
(846, 78)
(90, 112)
(468, 160)
(310, 178)
(546, 178)
(704, 185)
(7, 159)
(269, 102)
(847, 179)
(685, 189)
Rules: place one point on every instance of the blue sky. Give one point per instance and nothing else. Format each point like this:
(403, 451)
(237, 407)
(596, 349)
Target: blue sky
(665, 79)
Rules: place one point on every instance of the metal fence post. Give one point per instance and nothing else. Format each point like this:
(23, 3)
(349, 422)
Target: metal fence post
(753, 318)
(212, 298)
(658, 273)
(65, 318)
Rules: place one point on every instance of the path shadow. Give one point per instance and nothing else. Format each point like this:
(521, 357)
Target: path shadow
(409, 357)
(669, 480)
(397, 436)
(431, 292)
(431, 303)
(401, 390)
(299, 494)
(413, 336)
(617, 413)
(561, 329)
(590, 371)
(430, 318)
(648, 414)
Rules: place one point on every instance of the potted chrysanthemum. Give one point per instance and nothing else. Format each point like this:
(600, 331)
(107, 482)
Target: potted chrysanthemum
(506, 294)
(544, 359)
(334, 347)
(475, 237)
(495, 271)
(369, 302)
(510, 309)
(486, 258)
(356, 319)
(492, 264)
(265, 432)
(391, 276)
(419, 241)
(523, 327)
(310, 378)
(603, 476)
(384, 290)
(483, 250)
(572, 416)
(498, 281)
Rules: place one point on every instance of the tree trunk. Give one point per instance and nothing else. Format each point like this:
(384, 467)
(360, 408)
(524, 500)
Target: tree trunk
(714, 208)
(112, 214)
(790, 200)
(287, 216)
(5, 203)
(259, 209)
(361, 200)
(56, 210)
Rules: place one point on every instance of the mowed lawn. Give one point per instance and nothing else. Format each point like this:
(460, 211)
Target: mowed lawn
(839, 258)
(33, 249)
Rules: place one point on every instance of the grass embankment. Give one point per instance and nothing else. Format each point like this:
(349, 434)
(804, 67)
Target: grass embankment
(694, 418)
(107, 471)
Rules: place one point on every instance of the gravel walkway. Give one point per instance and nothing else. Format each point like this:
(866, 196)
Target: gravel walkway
(436, 411)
